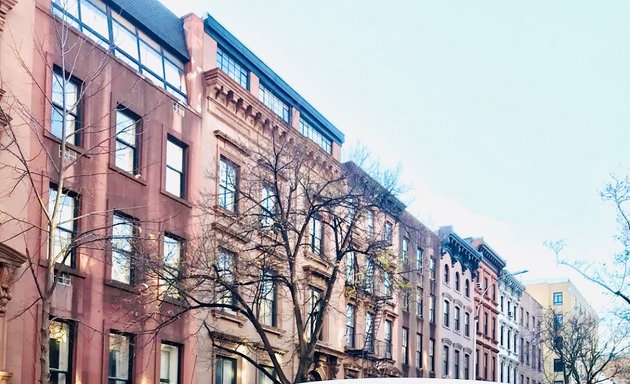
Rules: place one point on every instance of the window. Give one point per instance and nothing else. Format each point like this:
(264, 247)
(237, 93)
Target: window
(404, 250)
(446, 313)
(226, 264)
(467, 324)
(558, 320)
(419, 302)
(431, 355)
(557, 298)
(225, 370)
(315, 135)
(457, 319)
(446, 274)
(522, 352)
(405, 293)
(120, 358)
(369, 275)
(175, 167)
(273, 102)
(61, 351)
(124, 232)
(172, 260)
(445, 357)
(527, 353)
(228, 185)
(405, 345)
(419, 350)
(127, 133)
(316, 236)
(370, 223)
(467, 366)
(509, 339)
(485, 286)
(485, 366)
(431, 308)
(467, 288)
(387, 282)
(314, 309)
(558, 365)
(231, 68)
(456, 364)
(388, 339)
(264, 378)
(350, 319)
(432, 267)
(501, 335)
(63, 247)
(65, 107)
(502, 303)
(267, 302)
(477, 363)
(369, 332)
(268, 205)
(130, 45)
(457, 281)
(388, 232)
(350, 268)
(170, 362)
(419, 263)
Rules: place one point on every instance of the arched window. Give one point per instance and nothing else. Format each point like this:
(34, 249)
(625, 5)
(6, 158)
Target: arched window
(457, 281)
(446, 274)
(467, 288)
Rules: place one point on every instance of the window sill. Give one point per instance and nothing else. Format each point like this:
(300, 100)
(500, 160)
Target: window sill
(239, 320)
(180, 200)
(69, 146)
(137, 178)
(271, 329)
(122, 286)
(69, 270)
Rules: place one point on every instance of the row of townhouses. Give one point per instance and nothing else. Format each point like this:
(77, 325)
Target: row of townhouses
(172, 211)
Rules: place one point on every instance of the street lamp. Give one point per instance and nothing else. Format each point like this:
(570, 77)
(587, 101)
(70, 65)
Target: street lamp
(483, 293)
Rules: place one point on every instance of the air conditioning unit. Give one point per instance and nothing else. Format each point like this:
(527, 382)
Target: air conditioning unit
(509, 314)
(478, 284)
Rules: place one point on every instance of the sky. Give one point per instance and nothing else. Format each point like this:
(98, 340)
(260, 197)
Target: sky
(506, 117)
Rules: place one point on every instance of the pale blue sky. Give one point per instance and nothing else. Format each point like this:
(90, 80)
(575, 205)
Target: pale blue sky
(506, 116)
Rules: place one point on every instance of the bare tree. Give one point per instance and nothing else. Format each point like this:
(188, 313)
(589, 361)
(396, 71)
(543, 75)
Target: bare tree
(613, 274)
(42, 156)
(288, 226)
(581, 349)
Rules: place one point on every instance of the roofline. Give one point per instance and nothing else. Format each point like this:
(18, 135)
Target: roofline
(184, 56)
(493, 257)
(227, 40)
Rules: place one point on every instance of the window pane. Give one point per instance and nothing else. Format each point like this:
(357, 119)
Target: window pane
(119, 358)
(125, 128)
(95, 18)
(174, 156)
(121, 267)
(151, 59)
(59, 355)
(169, 364)
(174, 75)
(71, 7)
(124, 157)
(173, 182)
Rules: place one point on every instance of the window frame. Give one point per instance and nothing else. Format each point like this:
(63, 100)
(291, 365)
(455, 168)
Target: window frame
(316, 236)
(175, 276)
(446, 313)
(275, 103)
(183, 190)
(69, 373)
(179, 348)
(388, 338)
(135, 147)
(71, 258)
(350, 326)
(237, 72)
(558, 298)
(129, 254)
(445, 360)
(130, 358)
(219, 373)
(266, 303)
(419, 350)
(68, 79)
(405, 346)
(226, 268)
(226, 188)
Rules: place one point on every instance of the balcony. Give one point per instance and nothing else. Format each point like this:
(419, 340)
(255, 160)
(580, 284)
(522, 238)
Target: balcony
(367, 347)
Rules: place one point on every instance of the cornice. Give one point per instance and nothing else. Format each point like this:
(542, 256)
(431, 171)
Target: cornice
(493, 258)
(461, 252)
(5, 7)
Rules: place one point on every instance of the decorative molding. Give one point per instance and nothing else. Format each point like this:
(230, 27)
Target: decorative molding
(462, 252)
(10, 260)
(5, 7)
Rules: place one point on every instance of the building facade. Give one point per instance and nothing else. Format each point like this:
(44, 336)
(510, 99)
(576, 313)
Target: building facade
(510, 293)
(560, 299)
(459, 264)
(529, 325)
(487, 309)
